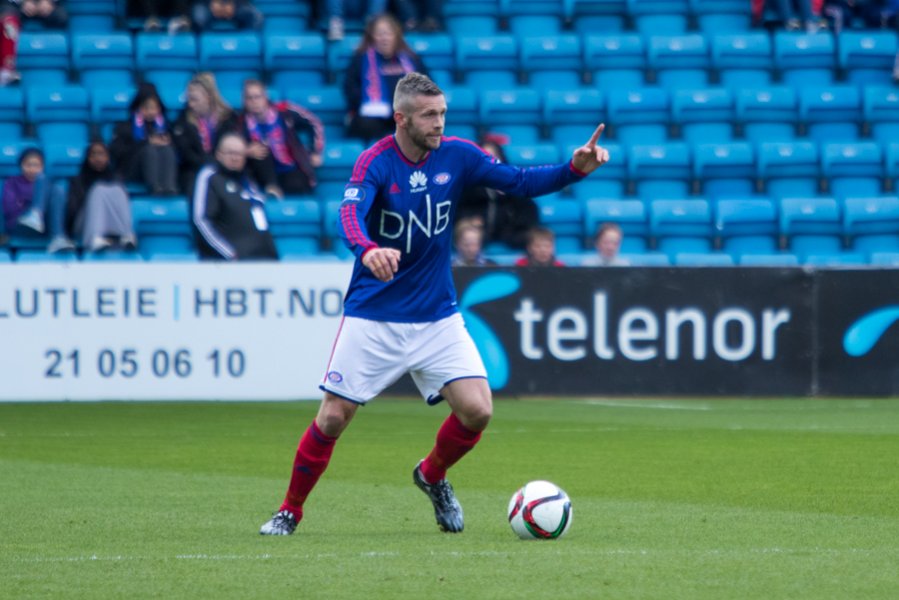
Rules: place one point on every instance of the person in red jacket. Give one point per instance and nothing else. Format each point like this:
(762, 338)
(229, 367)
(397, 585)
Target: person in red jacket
(540, 250)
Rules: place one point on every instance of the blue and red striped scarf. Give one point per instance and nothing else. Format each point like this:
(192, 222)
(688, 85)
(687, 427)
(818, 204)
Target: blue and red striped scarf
(139, 126)
(270, 131)
(373, 78)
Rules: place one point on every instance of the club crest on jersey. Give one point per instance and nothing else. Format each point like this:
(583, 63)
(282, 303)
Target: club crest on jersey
(353, 194)
(418, 181)
(442, 178)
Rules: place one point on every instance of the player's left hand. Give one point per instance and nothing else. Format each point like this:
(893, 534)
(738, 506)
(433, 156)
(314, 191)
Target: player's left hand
(591, 156)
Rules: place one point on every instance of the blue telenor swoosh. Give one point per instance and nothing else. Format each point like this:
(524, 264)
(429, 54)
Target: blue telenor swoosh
(486, 289)
(867, 331)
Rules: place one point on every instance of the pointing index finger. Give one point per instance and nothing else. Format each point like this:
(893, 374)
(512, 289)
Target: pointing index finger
(595, 137)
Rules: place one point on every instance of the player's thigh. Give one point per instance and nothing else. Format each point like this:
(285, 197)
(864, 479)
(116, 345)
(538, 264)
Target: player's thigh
(367, 357)
(441, 353)
(471, 401)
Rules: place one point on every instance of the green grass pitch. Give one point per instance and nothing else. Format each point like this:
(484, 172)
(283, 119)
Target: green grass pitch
(685, 499)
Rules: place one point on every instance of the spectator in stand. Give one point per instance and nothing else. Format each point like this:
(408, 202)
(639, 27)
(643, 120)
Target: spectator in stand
(608, 244)
(337, 11)
(381, 59)
(199, 126)
(504, 218)
(50, 14)
(279, 156)
(420, 15)
(541, 249)
(469, 242)
(239, 14)
(792, 15)
(229, 208)
(153, 12)
(142, 149)
(31, 204)
(98, 210)
(873, 13)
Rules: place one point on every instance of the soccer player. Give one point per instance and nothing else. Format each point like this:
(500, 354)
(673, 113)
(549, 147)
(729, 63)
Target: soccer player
(400, 312)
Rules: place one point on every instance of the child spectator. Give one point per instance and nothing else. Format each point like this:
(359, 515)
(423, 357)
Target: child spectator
(607, 243)
(380, 60)
(278, 156)
(98, 211)
(469, 242)
(142, 148)
(31, 205)
(239, 14)
(540, 250)
(199, 126)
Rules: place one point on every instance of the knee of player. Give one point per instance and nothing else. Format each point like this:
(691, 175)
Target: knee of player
(334, 415)
(478, 416)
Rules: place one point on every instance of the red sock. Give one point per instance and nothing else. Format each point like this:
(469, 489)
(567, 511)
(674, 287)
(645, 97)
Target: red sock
(454, 440)
(313, 455)
(9, 41)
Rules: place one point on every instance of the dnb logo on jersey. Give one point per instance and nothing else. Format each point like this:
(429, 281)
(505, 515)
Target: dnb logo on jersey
(864, 334)
(418, 181)
(487, 289)
(353, 194)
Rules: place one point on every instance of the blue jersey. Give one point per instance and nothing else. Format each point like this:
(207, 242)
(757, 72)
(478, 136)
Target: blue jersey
(392, 202)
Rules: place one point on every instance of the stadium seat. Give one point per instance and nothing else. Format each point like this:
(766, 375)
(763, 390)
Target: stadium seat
(867, 57)
(590, 24)
(9, 156)
(480, 25)
(462, 106)
(715, 22)
(660, 170)
(742, 60)
(768, 115)
(565, 218)
(747, 226)
(853, 169)
(811, 225)
(63, 160)
(494, 57)
(805, 59)
(725, 170)
(779, 259)
(233, 57)
(789, 169)
(884, 259)
(639, 116)
(328, 103)
(12, 113)
(530, 8)
(523, 26)
(630, 215)
(704, 115)
(840, 259)
(679, 61)
(614, 52)
(295, 223)
(532, 155)
(43, 58)
(510, 107)
(112, 256)
(569, 115)
(647, 259)
(103, 60)
(38, 255)
(880, 110)
(471, 7)
(109, 106)
(282, 25)
(831, 114)
(59, 113)
(169, 61)
(4, 254)
(577, 9)
(652, 16)
(289, 59)
(435, 49)
(681, 225)
(552, 60)
(339, 160)
(284, 8)
(162, 225)
(703, 259)
(872, 223)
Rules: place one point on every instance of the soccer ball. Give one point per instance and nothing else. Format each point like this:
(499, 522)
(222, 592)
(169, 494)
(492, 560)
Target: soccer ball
(540, 511)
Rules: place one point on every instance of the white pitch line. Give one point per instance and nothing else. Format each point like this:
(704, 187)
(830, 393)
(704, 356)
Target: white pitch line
(650, 405)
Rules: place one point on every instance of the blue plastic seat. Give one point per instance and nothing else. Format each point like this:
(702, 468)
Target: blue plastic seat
(768, 115)
(283, 25)
(831, 113)
(511, 106)
(576, 9)
(615, 53)
(233, 56)
(495, 52)
(703, 259)
(613, 181)
(33, 255)
(725, 170)
(162, 225)
(328, 103)
(105, 60)
(661, 170)
(590, 24)
(874, 215)
(287, 58)
(811, 225)
(715, 22)
(12, 113)
(853, 168)
(297, 220)
(867, 57)
(742, 60)
(435, 49)
(747, 225)
(63, 160)
(778, 259)
(704, 115)
(523, 25)
(565, 218)
(681, 225)
(884, 259)
(9, 156)
(679, 61)
(471, 25)
(169, 61)
(462, 106)
(555, 57)
(532, 155)
(59, 113)
(339, 160)
(530, 8)
(629, 214)
(880, 109)
(805, 59)
(839, 259)
(640, 115)
(789, 169)
(570, 115)
(646, 259)
(471, 7)
(284, 8)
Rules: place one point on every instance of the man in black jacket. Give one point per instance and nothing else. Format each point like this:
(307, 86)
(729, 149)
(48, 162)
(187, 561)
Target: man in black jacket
(229, 208)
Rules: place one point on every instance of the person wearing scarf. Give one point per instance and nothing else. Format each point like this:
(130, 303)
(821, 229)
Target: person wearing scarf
(98, 210)
(277, 154)
(142, 148)
(228, 208)
(381, 59)
(199, 126)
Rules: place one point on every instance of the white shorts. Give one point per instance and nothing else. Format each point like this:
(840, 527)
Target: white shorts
(369, 356)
